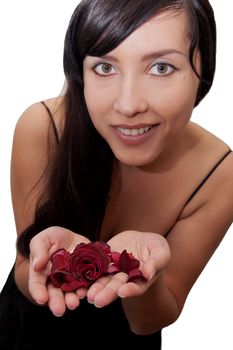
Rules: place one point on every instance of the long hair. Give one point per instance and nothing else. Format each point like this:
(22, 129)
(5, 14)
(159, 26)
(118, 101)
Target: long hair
(79, 175)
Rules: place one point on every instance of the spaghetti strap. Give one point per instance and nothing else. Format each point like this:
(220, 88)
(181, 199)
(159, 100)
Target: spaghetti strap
(207, 176)
(201, 184)
(52, 122)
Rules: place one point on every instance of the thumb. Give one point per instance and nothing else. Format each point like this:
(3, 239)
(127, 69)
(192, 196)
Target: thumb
(40, 251)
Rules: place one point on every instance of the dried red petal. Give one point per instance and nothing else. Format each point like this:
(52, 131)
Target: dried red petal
(59, 260)
(128, 262)
(135, 274)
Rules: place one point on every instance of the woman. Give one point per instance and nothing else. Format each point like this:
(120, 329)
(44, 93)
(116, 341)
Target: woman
(117, 159)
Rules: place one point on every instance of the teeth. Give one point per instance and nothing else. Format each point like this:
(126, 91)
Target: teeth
(134, 132)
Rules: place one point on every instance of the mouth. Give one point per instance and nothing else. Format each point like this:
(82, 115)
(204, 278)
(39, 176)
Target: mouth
(135, 135)
(134, 131)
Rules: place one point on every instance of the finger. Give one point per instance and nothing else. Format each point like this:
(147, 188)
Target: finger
(110, 291)
(149, 269)
(72, 300)
(81, 293)
(96, 287)
(37, 285)
(132, 289)
(39, 251)
(56, 301)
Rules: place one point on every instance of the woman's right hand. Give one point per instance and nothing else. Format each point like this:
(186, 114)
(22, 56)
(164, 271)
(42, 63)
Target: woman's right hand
(42, 246)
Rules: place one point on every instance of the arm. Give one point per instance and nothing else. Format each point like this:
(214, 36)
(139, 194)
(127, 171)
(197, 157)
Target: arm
(193, 240)
(32, 137)
(33, 144)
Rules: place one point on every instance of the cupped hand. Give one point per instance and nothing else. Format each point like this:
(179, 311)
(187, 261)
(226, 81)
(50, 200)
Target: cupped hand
(42, 246)
(153, 252)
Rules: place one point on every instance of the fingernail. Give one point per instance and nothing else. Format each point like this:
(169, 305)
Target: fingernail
(40, 302)
(152, 275)
(34, 263)
(122, 296)
(97, 306)
(57, 314)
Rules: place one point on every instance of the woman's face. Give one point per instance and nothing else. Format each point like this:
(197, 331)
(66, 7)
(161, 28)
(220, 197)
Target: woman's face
(140, 96)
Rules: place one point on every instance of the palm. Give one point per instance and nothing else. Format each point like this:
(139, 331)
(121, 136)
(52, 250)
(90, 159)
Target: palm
(42, 247)
(143, 245)
(153, 253)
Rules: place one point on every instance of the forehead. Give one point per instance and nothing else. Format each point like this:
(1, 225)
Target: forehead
(167, 30)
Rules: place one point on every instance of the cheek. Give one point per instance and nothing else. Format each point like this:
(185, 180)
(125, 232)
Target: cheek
(95, 107)
(97, 100)
(177, 101)
(189, 86)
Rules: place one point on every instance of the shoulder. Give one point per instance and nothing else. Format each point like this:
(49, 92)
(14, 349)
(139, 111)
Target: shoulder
(33, 146)
(209, 168)
(206, 138)
(214, 152)
(206, 148)
(34, 140)
(35, 120)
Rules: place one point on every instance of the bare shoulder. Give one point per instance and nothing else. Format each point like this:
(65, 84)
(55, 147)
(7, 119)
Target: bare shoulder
(218, 152)
(208, 138)
(35, 120)
(208, 168)
(33, 137)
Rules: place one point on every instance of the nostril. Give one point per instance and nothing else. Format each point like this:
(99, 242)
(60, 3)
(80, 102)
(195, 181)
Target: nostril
(130, 107)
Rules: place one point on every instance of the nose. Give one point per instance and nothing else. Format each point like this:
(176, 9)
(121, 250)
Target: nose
(130, 99)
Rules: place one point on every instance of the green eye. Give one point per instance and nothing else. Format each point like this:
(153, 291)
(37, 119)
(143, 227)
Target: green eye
(104, 69)
(161, 69)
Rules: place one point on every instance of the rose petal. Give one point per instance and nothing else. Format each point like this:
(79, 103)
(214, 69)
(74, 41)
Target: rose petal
(104, 248)
(112, 268)
(59, 260)
(73, 285)
(128, 262)
(116, 258)
(135, 274)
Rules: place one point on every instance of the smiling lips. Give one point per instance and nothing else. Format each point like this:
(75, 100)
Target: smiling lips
(134, 131)
(132, 135)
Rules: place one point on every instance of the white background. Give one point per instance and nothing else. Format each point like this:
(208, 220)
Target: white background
(31, 39)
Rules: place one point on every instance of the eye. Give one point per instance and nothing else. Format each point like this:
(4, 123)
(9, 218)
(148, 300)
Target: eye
(162, 69)
(104, 69)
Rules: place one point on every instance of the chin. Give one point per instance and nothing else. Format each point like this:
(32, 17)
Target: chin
(136, 161)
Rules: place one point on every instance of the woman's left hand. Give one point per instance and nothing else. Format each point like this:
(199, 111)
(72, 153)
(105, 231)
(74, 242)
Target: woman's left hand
(151, 249)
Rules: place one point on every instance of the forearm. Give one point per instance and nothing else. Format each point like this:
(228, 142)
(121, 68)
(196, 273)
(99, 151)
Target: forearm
(154, 310)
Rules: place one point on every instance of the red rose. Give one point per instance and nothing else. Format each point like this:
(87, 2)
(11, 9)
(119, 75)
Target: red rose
(80, 268)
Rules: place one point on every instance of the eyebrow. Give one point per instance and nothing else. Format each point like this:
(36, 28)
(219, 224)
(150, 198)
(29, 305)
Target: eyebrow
(151, 55)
